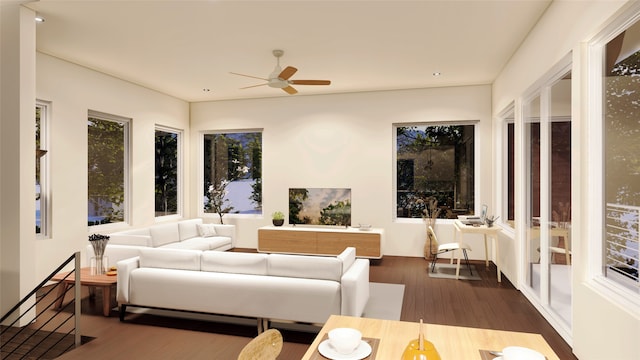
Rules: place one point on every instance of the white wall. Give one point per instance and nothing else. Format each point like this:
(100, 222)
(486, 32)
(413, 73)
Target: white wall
(72, 91)
(17, 149)
(602, 328)
(344, 140)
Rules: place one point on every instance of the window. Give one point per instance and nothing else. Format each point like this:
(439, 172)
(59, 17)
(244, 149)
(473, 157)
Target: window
(435, 161)
(621, 88)
(547, 199)
(508, 166)
(233, 173)
(167, 157)
(107, 168)
(42, 178)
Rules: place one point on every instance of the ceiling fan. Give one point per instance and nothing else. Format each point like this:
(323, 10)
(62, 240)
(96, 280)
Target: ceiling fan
(280, 79)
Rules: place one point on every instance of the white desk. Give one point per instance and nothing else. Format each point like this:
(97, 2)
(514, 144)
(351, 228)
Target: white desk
(487, 232)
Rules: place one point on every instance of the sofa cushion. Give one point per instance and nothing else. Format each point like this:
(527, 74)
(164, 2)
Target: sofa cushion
(163, 234)
(303, 266)
(188, 244)
(170, 258)
(206, 230)
(131, 240)
(188, 228)
(234, 262)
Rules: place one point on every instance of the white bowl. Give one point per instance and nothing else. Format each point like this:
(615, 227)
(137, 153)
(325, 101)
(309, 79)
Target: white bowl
(520, 353)
(344, 340)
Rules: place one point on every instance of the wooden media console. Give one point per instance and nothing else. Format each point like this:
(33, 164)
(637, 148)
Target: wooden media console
(320, 241)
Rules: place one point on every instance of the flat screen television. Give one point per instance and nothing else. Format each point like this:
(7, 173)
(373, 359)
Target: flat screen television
(320, 206)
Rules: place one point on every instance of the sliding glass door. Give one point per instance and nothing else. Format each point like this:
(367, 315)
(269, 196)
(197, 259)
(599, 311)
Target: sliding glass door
(547, 180)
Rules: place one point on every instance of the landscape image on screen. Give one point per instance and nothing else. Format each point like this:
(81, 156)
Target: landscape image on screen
(320, 206)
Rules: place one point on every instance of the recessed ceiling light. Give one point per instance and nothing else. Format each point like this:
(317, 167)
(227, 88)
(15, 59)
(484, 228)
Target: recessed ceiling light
(437, 73)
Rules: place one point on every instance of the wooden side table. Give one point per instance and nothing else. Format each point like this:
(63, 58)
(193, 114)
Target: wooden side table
(105, 282)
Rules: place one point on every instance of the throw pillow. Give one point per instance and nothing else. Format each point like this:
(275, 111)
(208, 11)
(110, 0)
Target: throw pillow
(206, 230)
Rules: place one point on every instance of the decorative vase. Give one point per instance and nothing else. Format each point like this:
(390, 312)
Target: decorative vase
(99, 265)
(429, 247)
(277, 222)
(99, 244)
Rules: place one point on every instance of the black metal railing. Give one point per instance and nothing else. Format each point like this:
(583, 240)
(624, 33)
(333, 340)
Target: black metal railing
(51, 329)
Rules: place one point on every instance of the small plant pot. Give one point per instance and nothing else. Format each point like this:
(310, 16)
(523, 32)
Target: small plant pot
(278, 222)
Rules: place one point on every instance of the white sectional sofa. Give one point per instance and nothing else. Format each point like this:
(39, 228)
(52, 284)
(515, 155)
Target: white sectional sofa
(298, 288)
(190, 234)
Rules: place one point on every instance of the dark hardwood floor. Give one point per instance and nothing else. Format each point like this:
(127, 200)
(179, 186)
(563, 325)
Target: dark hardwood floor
(479, 304)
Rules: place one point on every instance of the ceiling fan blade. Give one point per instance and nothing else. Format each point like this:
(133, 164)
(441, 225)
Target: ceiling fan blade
(249, 76)
(310, 82)
(252, 86)
(287, 72)
(290, 90)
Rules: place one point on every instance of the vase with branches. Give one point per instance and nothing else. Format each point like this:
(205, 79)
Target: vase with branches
(99, 244)
(429, 215)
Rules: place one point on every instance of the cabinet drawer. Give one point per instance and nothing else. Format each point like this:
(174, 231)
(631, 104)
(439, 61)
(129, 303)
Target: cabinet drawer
(366, 244)
(303, 242)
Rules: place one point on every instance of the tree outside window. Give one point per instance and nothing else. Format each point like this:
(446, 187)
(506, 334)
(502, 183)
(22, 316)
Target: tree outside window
(435, 161)
(166, 172)
(106, 168)
(233, 173)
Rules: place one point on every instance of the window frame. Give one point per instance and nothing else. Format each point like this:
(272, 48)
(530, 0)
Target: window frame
(200, 192)
(476, 158)
(594, 51)
(505, 118)
(45, 171)
(126, 204)
(180, 173)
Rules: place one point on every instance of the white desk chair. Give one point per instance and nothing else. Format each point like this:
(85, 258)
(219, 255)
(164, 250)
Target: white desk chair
(448, 247)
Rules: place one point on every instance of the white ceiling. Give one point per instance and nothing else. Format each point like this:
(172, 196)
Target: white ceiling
(182, 47)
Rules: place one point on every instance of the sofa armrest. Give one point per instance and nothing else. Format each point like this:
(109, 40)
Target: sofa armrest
(355, 288)
(226, 230)
(124, 272)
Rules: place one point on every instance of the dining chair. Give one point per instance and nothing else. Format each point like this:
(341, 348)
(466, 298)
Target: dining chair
(265, 346)
(444, 248)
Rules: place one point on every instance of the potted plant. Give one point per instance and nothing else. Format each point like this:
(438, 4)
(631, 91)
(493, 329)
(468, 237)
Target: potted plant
(277, 218)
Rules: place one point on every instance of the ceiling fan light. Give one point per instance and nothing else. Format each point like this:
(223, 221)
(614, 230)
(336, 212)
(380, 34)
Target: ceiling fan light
(278, 84)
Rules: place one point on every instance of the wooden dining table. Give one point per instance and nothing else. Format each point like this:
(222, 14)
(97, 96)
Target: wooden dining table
(388, 339)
